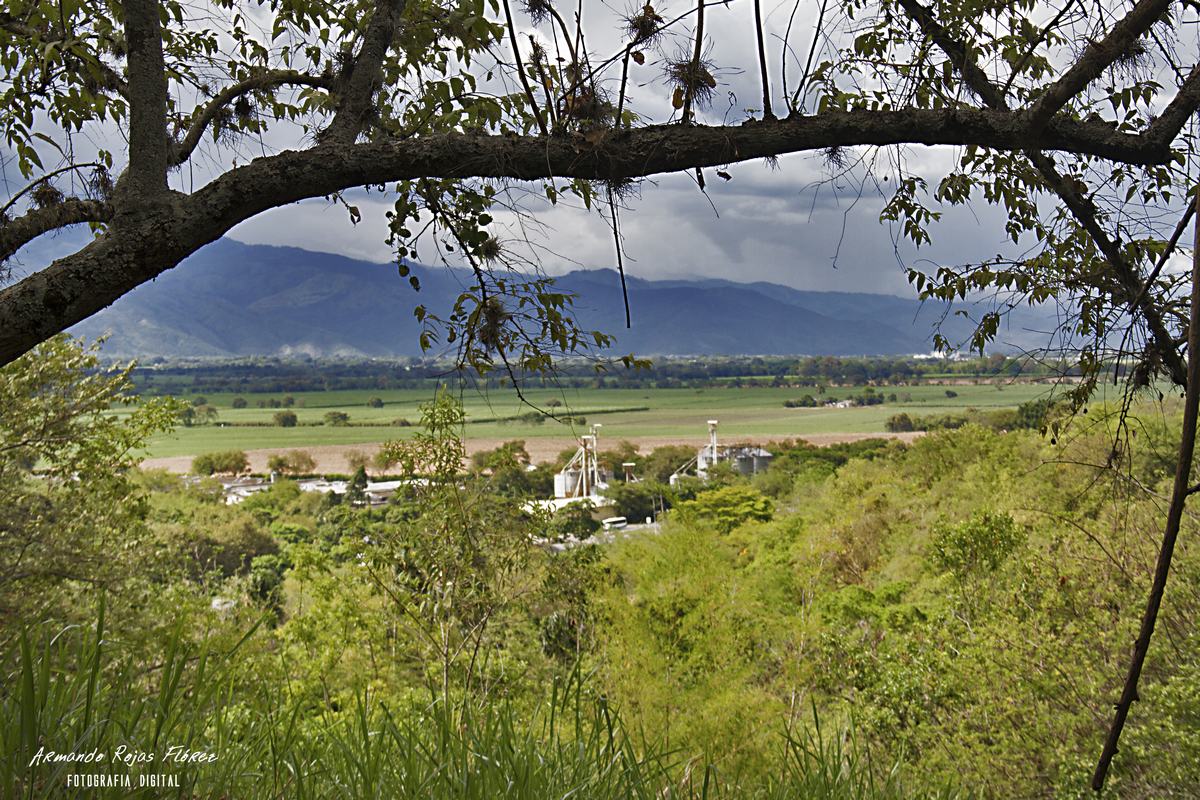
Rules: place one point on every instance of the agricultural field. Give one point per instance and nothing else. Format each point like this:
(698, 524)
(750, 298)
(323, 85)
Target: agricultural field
(647, 416)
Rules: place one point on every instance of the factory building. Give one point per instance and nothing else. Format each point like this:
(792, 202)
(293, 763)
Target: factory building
(746, 459)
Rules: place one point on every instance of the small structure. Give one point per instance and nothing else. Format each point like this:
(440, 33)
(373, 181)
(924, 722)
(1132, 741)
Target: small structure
(239, 488)
(378, 493)
(746, 459)
(583, 476)
(582, 479)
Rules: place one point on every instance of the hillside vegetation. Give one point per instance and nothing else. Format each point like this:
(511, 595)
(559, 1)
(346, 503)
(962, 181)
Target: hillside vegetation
(949, 618)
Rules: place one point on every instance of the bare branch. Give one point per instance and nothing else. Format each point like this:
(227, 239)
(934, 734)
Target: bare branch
(690, 87)
(762, 61)
(268, 80)
(24, 229)
(12, 201)
(520, 65)
(1096, 58)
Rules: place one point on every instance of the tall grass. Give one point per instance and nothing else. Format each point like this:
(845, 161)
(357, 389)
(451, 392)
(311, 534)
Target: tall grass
(75, 691)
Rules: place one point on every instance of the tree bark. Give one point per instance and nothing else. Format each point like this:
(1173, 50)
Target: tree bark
(148, 142)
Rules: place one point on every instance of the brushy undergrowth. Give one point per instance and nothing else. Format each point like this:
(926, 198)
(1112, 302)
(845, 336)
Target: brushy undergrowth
(74, 691)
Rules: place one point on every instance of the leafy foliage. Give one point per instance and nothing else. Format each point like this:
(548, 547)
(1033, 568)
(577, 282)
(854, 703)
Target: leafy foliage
(730, 506)
(226, 462)
(69, 508)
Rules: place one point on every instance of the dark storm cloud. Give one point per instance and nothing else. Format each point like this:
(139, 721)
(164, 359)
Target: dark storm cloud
(769, 225)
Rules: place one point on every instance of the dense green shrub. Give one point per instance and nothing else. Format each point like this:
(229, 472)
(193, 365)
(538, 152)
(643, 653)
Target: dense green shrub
(637, 501)
(729, 506)
(225, 462)
(293, 462)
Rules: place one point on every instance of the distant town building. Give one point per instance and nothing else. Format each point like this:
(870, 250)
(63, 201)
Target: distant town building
(582, 479)
(378, 493)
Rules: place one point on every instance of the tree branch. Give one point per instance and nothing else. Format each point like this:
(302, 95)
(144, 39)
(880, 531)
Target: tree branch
(12, 201)
(268, 80)
(1179, 495)
(109, 77)
(520, 65)
(689, 89)
(1095, 59)
(1041, 37)
(1178, 111)
(74, 288)
(366, 75)
(1081, 207)
(24, 229)
(148, 143)
(762, 61)
(1085, 212)
(1189, 376)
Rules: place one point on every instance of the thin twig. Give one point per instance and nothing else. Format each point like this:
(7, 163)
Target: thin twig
(762, 61)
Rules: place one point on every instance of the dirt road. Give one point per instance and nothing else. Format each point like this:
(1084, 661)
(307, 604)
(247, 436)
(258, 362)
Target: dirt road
(334, 458)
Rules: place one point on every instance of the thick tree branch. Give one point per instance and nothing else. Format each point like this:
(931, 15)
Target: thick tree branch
(366, 75)
(1098, 57)
(268, 80)
(148, 143)
(1178, 111)
(19, 232)
(74, 288)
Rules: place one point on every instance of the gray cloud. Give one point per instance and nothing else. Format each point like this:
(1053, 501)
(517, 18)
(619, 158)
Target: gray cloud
(768, 225)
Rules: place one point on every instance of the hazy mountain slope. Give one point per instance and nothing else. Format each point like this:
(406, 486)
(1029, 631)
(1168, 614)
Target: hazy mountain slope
(236, 299)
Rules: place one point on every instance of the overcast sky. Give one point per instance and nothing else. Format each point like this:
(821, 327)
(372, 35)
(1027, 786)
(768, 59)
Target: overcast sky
(772, 225)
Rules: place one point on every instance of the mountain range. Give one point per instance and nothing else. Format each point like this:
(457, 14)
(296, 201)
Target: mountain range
(235, 299)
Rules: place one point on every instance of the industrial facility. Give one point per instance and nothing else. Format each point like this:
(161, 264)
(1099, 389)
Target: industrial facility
(746, 459)
(583, 476)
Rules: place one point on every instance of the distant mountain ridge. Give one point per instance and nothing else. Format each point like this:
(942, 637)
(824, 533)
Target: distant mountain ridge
(234, 299)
